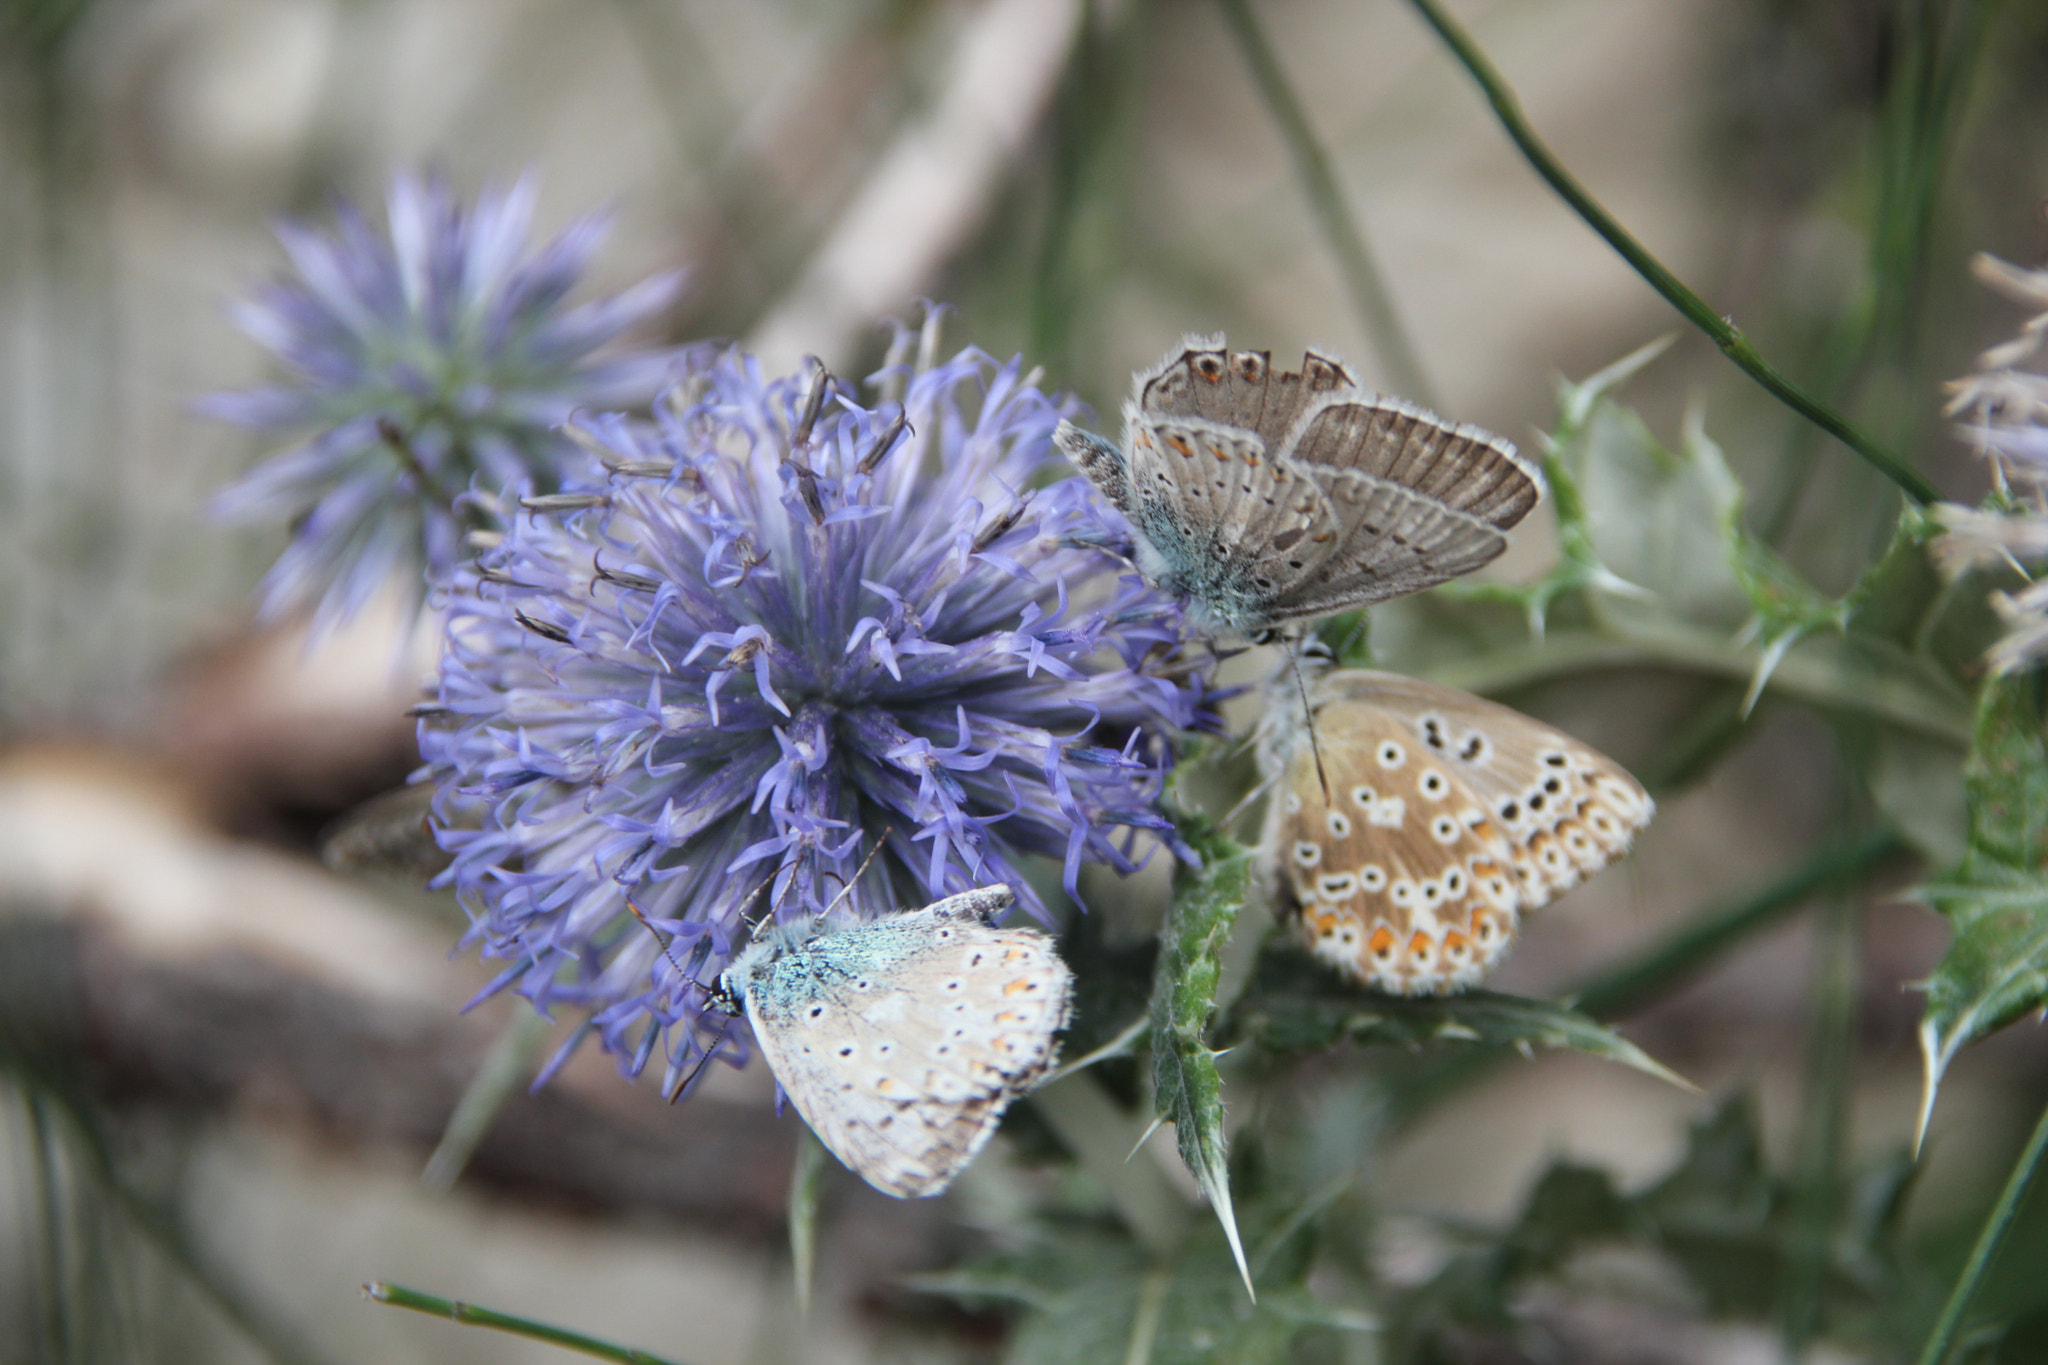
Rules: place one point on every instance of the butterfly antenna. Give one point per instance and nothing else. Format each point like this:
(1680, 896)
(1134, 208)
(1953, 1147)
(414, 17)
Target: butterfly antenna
(1315, 746)
(683, 1086)
(648, 925)
(754, 925)
(860, 871)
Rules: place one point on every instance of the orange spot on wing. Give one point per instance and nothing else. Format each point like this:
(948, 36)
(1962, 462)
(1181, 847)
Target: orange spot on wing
(1382, 941)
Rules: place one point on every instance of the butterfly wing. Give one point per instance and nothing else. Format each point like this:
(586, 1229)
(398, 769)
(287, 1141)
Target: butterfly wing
(1220, 520)
(1448, 818)
(1389, 541)
(1460, 466)
(1417, 501)
(1276, 496)
(1408, 500)
(1205, 379)
(1321, 417)
(902, 1041)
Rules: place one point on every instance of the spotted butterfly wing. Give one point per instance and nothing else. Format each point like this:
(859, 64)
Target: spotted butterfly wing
(1322, 418)
(1208, 380)
(902, 1041)
(1448, 818)
(1270, 497)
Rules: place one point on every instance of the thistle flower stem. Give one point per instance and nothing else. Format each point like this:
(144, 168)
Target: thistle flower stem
(1346, 239)
(470, 1315)
(1942, 1340)
(1899, 698)
(1722, 331)
(505, 1067)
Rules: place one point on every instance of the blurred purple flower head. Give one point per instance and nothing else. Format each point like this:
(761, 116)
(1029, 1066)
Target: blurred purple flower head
(2003, 412)
(768, 634)
(420, 362)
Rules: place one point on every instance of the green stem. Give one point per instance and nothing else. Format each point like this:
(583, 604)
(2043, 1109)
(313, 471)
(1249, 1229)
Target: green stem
(55, 1254)
(1145, 1318)
(1092, 175)
(455, 1311)
(504, 1069)
(1824, 1116)
(1368, 289)
(1942, 1340)
(803, 1215)
(1916, 123)
(1724, 333)
(1913, 701)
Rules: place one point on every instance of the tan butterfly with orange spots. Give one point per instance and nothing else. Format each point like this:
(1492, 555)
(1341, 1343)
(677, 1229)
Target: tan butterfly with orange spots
(1448, 818)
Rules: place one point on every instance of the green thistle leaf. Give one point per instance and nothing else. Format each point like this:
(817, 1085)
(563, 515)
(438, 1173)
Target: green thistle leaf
(1294, 1004)
(1996, 969)
(1089, 1293)
(1187, 1090)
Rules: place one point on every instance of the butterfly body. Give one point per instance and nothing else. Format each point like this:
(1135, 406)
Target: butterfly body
(1447, 818)
(1272, 497)
(902, 1040)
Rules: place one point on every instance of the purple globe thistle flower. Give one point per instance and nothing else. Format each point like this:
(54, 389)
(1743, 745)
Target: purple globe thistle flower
(772, 633)
(421, 362)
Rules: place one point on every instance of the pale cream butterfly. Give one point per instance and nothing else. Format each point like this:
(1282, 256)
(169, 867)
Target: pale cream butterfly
(902, 1040)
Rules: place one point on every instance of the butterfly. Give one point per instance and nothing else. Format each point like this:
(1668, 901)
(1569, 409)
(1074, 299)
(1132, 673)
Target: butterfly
(1447, 819)
(1268, 498)
(902, 1040)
